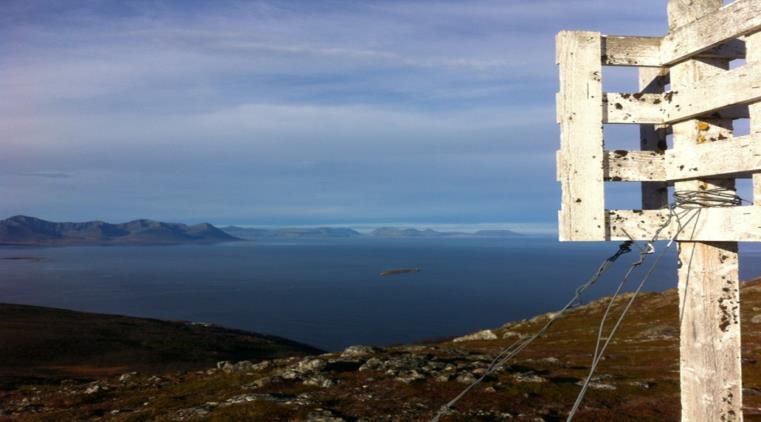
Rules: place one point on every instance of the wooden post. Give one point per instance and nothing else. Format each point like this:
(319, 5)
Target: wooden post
(710, 350)
(753, 53)
(652, 80)
(580, 114)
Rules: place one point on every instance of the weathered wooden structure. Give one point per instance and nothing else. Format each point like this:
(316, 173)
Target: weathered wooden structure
(690, 92)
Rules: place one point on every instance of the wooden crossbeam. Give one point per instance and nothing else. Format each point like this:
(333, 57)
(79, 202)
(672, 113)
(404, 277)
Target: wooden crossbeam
(738, 157)
(635, 166)
(646, 51)
(711, 159)
(725, 96)
(631, 51)
(633, 108)
(741, 224)
(738, 86)
(734, 20)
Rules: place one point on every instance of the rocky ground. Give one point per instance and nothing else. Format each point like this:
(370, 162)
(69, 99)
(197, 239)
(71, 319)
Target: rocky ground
(638, 380)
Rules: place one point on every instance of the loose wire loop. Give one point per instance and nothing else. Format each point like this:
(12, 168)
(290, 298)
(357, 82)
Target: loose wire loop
(687, 206)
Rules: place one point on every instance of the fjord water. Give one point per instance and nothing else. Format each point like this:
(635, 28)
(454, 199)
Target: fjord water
(327, 293)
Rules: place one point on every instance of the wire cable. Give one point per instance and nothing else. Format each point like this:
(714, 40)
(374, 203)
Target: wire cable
(519, 345)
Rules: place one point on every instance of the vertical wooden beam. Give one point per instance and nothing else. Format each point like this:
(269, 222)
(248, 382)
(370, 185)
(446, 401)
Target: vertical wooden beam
(753, 53)
(710, 349)
(580, 115)
(652, 80)
(682, 12)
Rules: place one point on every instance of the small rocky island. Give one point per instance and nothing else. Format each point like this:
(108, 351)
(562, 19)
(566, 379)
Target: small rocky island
(398, 271)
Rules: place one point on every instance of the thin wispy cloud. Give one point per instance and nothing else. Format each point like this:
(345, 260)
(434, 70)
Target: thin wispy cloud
(289, 111)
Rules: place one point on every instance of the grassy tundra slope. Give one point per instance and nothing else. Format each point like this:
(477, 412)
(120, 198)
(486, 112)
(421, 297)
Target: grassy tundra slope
(638, 379)
(42, 345)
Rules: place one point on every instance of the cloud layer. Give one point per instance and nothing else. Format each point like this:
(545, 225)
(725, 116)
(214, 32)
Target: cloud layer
(289, 112)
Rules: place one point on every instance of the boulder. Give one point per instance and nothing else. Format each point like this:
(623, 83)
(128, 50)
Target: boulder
(481, 335)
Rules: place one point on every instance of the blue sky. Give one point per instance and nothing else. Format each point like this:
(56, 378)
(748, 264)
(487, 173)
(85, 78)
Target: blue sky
(291, 112)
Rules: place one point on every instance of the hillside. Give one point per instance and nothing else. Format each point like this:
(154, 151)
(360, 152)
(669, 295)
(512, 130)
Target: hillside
(638, 380)
(29, 231)
(42, 345)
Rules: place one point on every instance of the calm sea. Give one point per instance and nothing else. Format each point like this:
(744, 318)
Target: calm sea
(326, 292)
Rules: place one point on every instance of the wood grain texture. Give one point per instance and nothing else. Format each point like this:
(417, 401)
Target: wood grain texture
(631, 51)
(738, 86)
(753, 48)
(582, 213)
(714, 225)
(633, 108)
(710, 348)
(721, 25)
(635, 166)
(653, 137)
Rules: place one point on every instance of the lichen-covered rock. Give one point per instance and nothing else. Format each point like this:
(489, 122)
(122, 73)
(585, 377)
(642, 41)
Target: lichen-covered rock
(481, 335)
(358, 351)
(529, 377)
(372, 364)
(408, 377)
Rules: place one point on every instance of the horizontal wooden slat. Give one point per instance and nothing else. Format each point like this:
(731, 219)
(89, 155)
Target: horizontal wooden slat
(624, 166)
(738, 155)
(633, 108)
(741, 224)
(628, 108)
(731, 21)
(738, 86)
(646, 51)
(631, 51)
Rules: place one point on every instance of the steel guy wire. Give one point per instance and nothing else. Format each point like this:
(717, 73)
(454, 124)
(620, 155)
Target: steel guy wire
(520, 344)
(600, 350)
(689, 201)
(693, 201)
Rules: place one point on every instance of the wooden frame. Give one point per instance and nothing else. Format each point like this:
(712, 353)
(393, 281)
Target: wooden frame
(721, 34)
(704, 97)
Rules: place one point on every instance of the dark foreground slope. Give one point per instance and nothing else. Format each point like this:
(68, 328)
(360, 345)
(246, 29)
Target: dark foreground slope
(637, 381)
(30, 231)
(48, 345)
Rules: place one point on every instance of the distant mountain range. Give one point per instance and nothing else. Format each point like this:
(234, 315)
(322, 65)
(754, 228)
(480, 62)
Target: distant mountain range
(291, 233)
(396, 232)
(343, 233)
(29, 231)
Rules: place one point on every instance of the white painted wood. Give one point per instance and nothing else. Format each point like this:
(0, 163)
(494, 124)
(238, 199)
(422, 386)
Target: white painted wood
(631, 51)
(753, 47)
(633, 108)
(709, 298)
(653, 137)
(741, 224)
(685, 12)
(709, 158)
(651, 108)
(738, 86)
(634, 166)
(731, 21)
(646, 51)
(710, 349)
(715, 158)
(582, 214)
